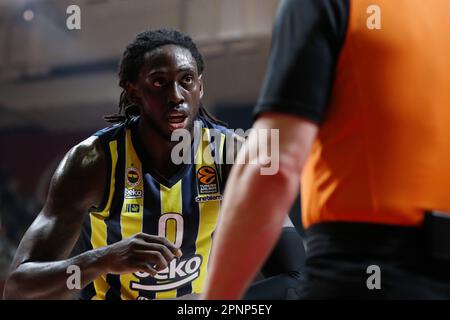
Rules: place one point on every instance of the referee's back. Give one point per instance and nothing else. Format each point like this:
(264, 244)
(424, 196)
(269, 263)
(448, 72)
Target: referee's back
(383, 150)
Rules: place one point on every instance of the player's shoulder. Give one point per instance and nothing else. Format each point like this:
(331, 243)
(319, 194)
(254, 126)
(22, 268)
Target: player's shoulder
(91, 151)
(88, 159)
(230, 134)
(87, 156)
(215, 125)
(81, 175)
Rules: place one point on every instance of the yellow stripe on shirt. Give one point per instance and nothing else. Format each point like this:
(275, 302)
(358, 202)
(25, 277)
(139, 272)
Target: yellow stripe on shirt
(171, 202)
(98, 226)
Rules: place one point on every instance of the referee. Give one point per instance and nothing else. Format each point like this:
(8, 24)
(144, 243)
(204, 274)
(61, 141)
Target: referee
(360, 92)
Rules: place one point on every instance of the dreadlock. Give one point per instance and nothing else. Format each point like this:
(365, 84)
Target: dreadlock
(133, 60)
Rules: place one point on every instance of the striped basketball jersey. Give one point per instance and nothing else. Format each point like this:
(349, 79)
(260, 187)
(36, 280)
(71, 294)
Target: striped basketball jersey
(184, 209)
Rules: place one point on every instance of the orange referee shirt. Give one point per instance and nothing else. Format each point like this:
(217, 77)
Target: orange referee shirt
(382, 100)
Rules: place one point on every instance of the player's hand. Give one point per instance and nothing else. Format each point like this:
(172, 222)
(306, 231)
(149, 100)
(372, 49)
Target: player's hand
(139, 253)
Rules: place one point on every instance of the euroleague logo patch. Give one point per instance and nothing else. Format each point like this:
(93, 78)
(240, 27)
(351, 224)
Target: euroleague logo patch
(207, 180)
(133, 177)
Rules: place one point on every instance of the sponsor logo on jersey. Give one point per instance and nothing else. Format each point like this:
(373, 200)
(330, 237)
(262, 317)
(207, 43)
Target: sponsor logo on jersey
(133, 177)
(133, 194)
(207, 180)
(132, 207)
(177, 274)
(208, 198)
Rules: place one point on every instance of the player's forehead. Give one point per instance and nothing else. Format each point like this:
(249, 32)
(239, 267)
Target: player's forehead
(169, 58)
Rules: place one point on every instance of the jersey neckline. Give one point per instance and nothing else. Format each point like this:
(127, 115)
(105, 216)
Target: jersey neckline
(168, 182)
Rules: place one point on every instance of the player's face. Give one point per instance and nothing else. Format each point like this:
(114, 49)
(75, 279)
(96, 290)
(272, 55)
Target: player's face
(168, 89)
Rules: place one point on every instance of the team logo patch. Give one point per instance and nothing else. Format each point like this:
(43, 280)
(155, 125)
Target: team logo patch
(133, 177)
(207, 180)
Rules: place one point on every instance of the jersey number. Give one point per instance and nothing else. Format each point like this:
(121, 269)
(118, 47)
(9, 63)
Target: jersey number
(171, 227)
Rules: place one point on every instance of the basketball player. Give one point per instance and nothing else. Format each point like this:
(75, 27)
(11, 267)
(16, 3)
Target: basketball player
(146, 223)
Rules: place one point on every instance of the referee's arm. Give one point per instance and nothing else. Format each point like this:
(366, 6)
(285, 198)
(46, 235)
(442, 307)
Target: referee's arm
(306, 43)
(249, 206)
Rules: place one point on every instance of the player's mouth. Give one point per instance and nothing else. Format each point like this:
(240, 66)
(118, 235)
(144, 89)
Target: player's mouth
(177, 120)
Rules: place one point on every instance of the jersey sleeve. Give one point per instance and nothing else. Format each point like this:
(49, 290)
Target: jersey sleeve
(306, 41)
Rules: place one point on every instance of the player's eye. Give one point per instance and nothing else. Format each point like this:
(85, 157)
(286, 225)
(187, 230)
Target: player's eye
(188, 79)
(159, 82)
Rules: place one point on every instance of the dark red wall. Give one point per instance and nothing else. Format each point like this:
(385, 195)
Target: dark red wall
(24, 156)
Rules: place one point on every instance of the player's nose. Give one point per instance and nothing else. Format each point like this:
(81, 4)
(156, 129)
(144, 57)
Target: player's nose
(174, 95)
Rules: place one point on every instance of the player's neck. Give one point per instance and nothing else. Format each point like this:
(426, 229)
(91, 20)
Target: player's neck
(158, 150)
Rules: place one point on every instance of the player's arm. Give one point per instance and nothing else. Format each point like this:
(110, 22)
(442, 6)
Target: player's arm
(258, 203)
(39, 269)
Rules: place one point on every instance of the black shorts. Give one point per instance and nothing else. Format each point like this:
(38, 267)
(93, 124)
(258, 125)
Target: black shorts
(344, 259)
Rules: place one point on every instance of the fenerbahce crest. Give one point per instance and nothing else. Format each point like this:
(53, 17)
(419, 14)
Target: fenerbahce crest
(133, 180)
(133, 177)
(207, 185)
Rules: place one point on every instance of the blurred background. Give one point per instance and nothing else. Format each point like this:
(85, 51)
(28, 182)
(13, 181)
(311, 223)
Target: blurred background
(56, 84)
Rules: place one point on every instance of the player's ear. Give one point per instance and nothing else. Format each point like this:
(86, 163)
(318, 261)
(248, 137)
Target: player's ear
(132, 93)
(200, 81)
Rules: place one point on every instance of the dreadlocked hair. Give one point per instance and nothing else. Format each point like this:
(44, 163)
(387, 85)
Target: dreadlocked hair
(133, 59)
